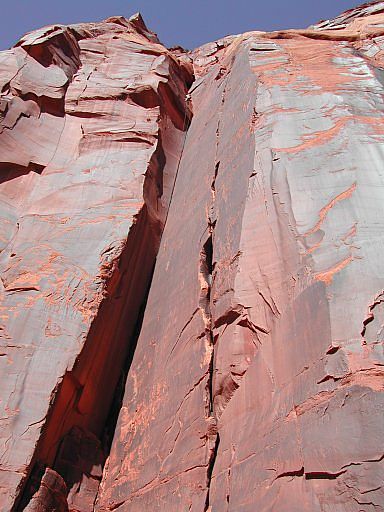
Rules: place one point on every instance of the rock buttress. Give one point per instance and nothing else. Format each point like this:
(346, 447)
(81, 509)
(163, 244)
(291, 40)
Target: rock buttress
(92, 125)
(257, 382)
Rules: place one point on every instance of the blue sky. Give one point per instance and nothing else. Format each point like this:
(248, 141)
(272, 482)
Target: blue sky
(189, 23)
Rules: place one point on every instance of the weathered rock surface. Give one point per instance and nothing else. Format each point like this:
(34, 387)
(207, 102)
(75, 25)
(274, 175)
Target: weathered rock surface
(92, 121)
(257, 382)
(51, 496)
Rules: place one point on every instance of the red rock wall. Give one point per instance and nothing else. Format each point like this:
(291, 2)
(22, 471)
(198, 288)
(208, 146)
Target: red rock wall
(257, 381)
(92, 123)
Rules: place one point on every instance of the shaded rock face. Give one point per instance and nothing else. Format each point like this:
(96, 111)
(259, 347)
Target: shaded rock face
(93, 119)
(253, 357)
(51, 496)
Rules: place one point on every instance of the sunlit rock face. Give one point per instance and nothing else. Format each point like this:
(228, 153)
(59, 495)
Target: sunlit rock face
(204, 230)
(92, 124)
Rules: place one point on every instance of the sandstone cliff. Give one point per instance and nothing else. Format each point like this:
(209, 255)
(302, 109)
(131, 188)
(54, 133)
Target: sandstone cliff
(191, 246)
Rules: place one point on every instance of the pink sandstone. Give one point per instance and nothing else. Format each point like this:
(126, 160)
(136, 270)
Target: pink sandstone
(249, 174)
(92, 126)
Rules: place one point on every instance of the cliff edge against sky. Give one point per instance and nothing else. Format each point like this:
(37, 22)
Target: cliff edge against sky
(191, 271)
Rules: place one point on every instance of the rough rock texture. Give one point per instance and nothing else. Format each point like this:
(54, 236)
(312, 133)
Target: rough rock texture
(51, 496)
(92, 121)
(257, 382)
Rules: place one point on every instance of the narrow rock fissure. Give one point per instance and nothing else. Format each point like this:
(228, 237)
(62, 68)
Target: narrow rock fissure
(211, 465)
(206, 271)
(68, 461)
(208, 253)
(69, 430)
(117, 402)
(79, 429)
(202, 460)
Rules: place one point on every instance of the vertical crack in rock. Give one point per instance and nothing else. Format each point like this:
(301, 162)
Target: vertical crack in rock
(288, 319)
(303, 263)
(78, 433)
(185, 124)
(212, 460)
(68, 460)
(207, 276)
